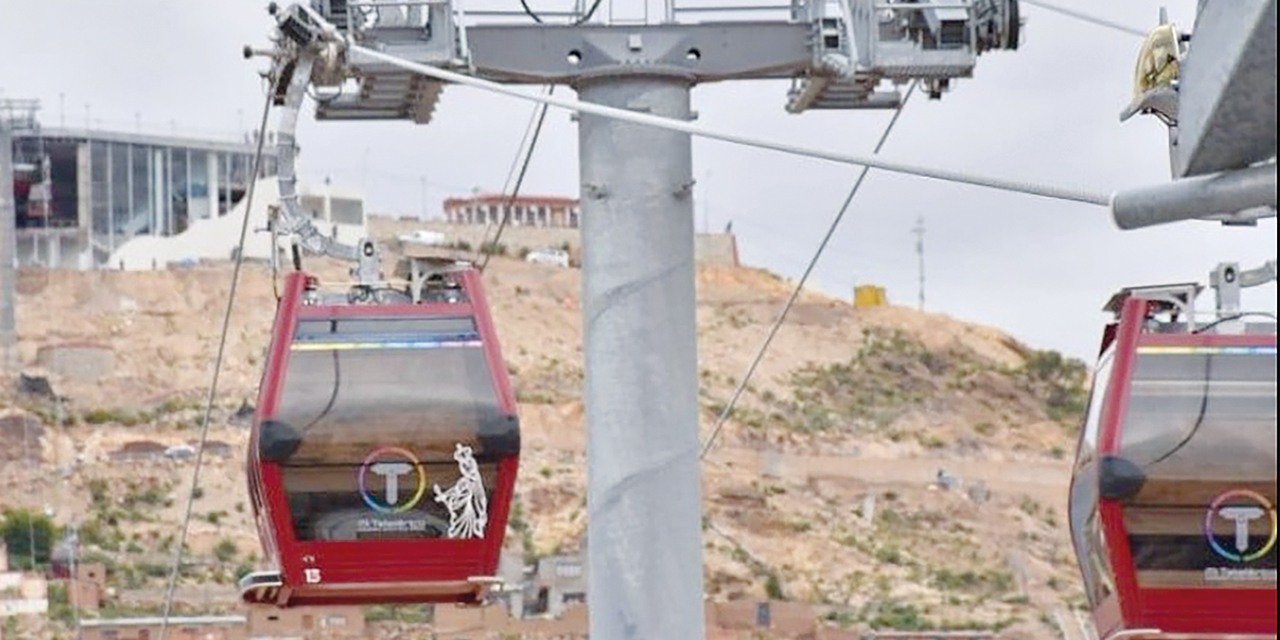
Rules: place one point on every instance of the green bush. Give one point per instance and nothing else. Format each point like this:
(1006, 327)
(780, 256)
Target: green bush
(411, 613)
(225, 551)
(98, 490)
(26, 532)
(60, 605)
(899, 616)
(116, 416)
(493, 248)
(988, 582)
(1062, 380)
(889, 555)
(773, 587)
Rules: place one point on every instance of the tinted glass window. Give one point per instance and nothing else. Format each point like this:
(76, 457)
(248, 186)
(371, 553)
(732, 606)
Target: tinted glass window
(391, 414)
(1092, 427)
(313, 205)
(347, 211)
(1201, 424)
(1201, 416)
(1086, 532)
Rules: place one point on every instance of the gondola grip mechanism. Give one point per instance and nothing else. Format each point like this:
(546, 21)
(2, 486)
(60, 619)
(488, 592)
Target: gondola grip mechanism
(1228, 280)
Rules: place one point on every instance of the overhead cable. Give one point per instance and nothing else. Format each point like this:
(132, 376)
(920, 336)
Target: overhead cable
(517, 161)
(795, 293)
(578, 20)
(217, 369)
(671, 124)
(1102, 22)
(515, 190)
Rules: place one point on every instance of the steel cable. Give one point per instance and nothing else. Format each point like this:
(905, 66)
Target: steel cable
(671, 124)
(795, 293)
(1102, 22)
(489, 246)
(217, 368)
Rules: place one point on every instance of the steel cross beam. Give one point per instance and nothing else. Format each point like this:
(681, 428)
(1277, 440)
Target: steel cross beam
(700, 52)
(836, 52)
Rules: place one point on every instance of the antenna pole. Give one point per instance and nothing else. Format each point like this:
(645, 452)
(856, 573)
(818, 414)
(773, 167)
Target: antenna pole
(8, 249)
(918, 230)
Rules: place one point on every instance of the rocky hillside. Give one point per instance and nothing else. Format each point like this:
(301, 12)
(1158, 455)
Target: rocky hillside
(903, 470)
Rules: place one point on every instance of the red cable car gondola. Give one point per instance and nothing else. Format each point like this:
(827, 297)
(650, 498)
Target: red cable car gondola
(384, 449)
(1173, 497)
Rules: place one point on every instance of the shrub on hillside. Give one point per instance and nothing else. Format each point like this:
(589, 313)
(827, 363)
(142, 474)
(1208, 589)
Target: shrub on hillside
(26, 533)
(1060, 382)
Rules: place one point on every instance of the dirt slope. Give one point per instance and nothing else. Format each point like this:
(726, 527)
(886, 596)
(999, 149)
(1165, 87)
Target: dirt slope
(848, 404)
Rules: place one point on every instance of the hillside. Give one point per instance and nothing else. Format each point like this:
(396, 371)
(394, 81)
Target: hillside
(851, 408)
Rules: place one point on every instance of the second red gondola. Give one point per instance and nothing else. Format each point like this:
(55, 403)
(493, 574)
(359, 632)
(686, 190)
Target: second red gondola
(1173, 498)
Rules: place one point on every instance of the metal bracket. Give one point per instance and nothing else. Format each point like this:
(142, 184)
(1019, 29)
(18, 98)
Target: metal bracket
(1228, 281)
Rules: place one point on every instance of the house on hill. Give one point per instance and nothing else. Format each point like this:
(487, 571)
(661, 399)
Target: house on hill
(139, 451)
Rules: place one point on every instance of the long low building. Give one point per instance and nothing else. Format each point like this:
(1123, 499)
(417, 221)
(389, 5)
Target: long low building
(229, 627)
(82, 193)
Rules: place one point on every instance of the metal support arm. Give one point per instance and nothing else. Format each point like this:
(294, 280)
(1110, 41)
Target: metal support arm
(1259, 276)
(1228, 280)
(294, 67)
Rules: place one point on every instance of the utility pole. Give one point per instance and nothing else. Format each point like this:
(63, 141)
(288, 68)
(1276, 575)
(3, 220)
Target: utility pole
(644, 503)
(8, 246)
(918, 230)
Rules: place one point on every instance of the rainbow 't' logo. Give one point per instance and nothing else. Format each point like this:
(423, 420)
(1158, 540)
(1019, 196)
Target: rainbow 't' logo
(391, 463)
(1242, 507)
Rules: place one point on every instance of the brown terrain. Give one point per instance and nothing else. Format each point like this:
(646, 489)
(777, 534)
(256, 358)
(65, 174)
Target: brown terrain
(852, 409)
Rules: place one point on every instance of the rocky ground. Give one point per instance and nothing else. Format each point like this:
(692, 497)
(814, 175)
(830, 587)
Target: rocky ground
(823, 487)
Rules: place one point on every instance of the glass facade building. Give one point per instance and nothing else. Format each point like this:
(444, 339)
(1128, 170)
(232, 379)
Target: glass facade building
(81, 194)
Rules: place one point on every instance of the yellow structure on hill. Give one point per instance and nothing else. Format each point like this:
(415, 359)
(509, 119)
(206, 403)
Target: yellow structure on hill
(869, 295)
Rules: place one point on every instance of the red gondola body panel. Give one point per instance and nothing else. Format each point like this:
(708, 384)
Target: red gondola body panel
(1164, 493)
(380, 555)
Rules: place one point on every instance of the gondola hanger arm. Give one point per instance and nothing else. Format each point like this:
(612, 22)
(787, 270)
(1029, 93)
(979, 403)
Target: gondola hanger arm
(305, 41)
(1259, 276)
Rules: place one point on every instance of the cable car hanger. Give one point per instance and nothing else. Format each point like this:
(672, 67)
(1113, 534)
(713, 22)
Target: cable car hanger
(385, 441)
(1178, 300)
(1172, 502)
(294, 68)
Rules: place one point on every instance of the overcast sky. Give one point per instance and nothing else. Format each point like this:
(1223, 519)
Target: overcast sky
(1038, 268)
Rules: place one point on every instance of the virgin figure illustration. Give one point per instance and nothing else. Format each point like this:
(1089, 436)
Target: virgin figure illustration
(467, 504)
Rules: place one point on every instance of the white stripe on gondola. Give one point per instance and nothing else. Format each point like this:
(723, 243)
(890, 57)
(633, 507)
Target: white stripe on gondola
(376, 346)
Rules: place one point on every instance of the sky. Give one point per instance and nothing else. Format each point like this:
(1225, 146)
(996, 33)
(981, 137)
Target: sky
(1037, 268)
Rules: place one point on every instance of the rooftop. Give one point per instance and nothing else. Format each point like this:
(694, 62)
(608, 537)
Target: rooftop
(151, 621)
(499, 198)
(225, 144)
